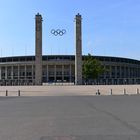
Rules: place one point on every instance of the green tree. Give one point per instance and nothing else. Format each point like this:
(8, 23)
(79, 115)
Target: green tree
(92, 68)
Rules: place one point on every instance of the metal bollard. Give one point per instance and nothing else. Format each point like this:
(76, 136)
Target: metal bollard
(137, 91)
(18, 92)
(111, 91)
(124, 91)
(98, 92)
(6, 92)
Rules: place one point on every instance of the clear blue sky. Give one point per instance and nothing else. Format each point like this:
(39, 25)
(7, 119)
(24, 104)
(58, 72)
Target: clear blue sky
(110, 27)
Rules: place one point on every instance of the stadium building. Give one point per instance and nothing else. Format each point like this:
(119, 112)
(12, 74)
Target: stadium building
(38, 69)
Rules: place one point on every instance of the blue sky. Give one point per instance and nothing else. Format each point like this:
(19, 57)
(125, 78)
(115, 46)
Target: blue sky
(110, 27)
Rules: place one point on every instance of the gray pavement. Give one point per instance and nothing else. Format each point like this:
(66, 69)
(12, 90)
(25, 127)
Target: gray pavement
(70, 118)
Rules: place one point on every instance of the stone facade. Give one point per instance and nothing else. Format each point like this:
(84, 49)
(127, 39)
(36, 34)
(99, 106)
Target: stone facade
(78, 55)
(61, 69)
(38, 50)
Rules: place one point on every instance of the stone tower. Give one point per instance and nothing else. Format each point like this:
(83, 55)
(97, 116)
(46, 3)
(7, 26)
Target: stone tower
(78, 55)
(38, 49)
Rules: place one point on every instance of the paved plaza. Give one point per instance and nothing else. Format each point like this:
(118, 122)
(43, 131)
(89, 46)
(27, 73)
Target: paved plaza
(70, 117)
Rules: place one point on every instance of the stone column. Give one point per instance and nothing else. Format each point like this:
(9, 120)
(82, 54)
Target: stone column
(115, 72)
(70, 74)
(32, 74)
(19, 75)
(111, 74)
(129, 74)
(12, 72)
(78, 55)
(38, 50)
(0, 73)
(54, 73)
(47, 74)
(6, 75)
(18, 72)
(5, 72)
(25, 70)
(62, 73)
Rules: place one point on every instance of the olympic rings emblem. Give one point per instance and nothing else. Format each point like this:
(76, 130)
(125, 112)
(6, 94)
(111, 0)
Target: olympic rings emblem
(58, 32)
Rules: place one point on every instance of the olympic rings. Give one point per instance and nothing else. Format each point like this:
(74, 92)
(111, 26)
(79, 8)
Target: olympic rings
(58, 32)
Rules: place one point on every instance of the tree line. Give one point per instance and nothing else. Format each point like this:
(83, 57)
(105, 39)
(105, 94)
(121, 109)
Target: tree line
(92, 69)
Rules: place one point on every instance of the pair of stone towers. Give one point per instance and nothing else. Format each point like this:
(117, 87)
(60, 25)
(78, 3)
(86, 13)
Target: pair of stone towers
(38, 49)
